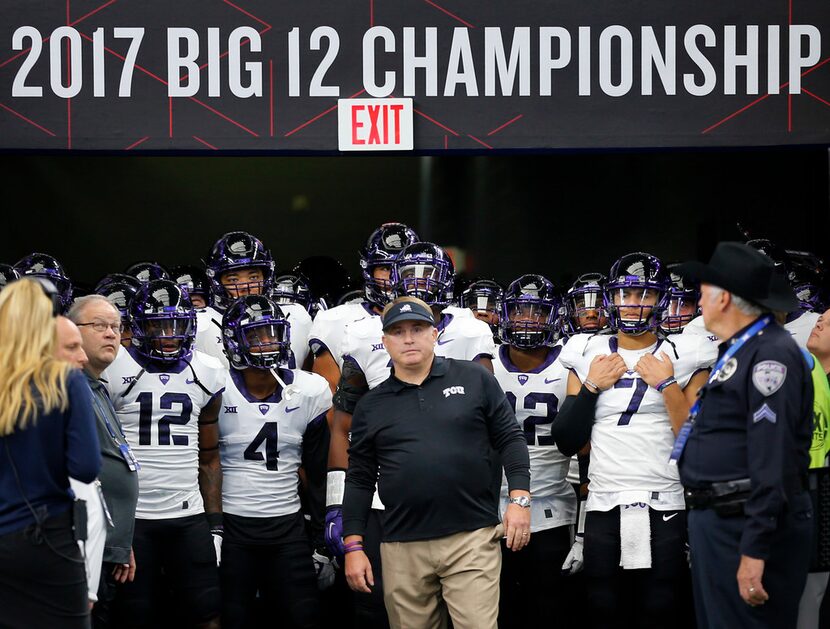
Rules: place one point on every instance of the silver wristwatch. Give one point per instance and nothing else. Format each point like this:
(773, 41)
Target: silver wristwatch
(522, 501)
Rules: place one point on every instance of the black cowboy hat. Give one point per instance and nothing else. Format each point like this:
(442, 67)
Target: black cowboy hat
(746, 272)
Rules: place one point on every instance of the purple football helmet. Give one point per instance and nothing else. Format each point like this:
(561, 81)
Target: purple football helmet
(584, 305)
(484, 298)
(806, 273)
(290, 288)
(256, 334)
(163, 321)
(232, 252)
(636, 293)
(530, 313)
(682, 305)
(120, 293)
(8, 274)
(380, 250)
(147, 271)
(46, 266)
(193, 279)
(424, 270)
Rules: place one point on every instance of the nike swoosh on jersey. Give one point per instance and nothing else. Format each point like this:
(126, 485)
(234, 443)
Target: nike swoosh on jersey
(445, 341)
(291, 410)
(551, 380)
(186, 381)
(666, 518)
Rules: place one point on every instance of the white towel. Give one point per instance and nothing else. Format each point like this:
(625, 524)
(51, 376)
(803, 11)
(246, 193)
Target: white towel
(635, 536)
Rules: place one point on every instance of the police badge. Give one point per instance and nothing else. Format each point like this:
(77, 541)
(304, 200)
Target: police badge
(768, 376)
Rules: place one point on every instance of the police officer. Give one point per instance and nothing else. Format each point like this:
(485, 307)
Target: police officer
(744, 453)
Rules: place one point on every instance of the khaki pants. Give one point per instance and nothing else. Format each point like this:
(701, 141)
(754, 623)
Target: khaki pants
(462, 569)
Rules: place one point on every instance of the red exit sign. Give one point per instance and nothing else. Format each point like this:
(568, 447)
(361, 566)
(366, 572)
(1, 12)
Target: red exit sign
(374, 124)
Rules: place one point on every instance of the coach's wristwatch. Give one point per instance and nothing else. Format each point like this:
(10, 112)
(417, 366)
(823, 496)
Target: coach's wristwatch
(522, 501)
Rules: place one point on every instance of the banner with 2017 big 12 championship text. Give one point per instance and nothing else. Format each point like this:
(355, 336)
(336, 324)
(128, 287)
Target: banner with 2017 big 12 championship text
(251, 76)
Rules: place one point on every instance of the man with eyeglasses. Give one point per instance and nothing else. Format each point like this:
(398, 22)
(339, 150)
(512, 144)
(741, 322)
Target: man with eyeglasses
(100, 325)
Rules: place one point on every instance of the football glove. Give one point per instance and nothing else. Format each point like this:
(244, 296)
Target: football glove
(324, 567)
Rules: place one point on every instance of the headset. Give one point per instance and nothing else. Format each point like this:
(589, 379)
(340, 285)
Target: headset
(51, 292)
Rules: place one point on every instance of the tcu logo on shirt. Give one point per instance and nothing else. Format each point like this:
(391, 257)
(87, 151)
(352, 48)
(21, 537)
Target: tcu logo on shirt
(453, 391)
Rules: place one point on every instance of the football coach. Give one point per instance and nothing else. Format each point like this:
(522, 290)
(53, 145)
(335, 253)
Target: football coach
(434, 436)
(744, 454)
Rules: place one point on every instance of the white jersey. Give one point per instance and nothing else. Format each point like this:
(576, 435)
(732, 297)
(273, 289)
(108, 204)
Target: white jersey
(261, 442)
(802, 327)
(799, 328)
(460, 336)
(329, 326)
(159, 414)
(632, 438)
(696, 327)
(209, 333)
(535, 397)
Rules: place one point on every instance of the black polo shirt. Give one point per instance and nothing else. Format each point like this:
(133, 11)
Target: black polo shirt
(755, 422)
(435, 450)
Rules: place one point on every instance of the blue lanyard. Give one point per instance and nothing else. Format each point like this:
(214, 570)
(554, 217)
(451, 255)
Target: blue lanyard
(686, 429)
(104, 414)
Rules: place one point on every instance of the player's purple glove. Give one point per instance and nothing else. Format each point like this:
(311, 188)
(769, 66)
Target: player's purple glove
(334, 531)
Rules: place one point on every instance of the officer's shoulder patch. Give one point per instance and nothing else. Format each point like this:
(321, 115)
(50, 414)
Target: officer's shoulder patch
(768, 376)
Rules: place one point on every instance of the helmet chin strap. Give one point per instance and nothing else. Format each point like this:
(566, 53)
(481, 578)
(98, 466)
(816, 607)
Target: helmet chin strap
(287, 390)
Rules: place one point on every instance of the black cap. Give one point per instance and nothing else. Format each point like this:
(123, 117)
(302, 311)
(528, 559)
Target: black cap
(407, 311)
(743, 270)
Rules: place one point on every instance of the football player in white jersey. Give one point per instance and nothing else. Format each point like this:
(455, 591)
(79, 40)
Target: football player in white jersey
(195, 281)
(584, 310)
(682, 306)
(272, 422)
(168, 398)
(239, 264)
(534, 382)
(325, 340)
(483, 297)
(628, 395)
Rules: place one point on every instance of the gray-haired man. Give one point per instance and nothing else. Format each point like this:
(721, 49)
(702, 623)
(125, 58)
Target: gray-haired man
(100, 326)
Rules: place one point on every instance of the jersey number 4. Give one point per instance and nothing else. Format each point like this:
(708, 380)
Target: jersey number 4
(268, 434)
(166, 402)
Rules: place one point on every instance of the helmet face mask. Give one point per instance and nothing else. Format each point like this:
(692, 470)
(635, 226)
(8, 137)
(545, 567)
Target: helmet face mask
(484, 298)
(681, 305)
(425, 271)
(530, 313)
(195, 282)
(238, 265)
(636, 293)
(376, 259)
(291, 289)
(166, 336)
(585, 306)
(256, 334)
(163, 321)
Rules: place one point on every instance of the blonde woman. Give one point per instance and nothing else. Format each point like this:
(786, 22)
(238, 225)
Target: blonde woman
(47, 433)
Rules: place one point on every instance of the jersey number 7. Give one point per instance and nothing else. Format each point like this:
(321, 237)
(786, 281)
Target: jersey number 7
(640, 388)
